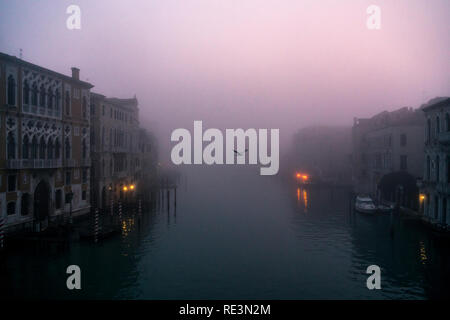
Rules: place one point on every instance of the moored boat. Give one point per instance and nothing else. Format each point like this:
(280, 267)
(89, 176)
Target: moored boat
(365, 204)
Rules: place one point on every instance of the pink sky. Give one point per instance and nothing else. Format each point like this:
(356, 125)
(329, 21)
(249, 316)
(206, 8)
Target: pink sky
(250, 63)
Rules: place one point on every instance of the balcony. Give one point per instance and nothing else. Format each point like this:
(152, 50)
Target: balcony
(33, 163)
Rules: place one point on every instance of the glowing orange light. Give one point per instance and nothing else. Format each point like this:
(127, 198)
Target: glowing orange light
(298, 194)
(422, 197)
(298, 175)
(305, 177)
(132, 187)
(125, 188)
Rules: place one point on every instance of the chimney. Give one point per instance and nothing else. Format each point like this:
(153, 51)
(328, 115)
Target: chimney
(75, 73)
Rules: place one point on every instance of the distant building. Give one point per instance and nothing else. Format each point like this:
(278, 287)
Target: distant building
(435, 187)
(117, 149)
(44, 144)
(324, 153)
(388, 154)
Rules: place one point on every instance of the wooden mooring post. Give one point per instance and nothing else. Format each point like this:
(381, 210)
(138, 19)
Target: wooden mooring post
(96, 226)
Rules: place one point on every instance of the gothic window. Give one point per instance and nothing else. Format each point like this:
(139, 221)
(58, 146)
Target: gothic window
(428, 167)
(11, 141)
(57, 149)
(84, 147)
(34, 148)
(438, 124)
(67, 148)
(11, 90)
(11, 209)
(26, 92)
(67, 103)
(447, 122)
(84, 108)
(50, 99)
(437, 169)
(42, 147)
(25, 147)
(57, 97)
(50, 149)
(34, 95)
(42, 96)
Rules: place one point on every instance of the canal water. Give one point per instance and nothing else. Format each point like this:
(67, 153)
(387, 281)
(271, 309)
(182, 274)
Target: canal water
(237, 235)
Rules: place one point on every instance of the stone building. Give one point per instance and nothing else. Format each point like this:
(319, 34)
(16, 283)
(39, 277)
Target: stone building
(435, 187)
(44, 144)
(388, 155)
(115, 148)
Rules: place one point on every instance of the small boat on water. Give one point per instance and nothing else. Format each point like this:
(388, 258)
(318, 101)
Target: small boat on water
(365, 204)
(382, 208)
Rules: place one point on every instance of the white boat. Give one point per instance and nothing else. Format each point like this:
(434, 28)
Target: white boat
(365, 205)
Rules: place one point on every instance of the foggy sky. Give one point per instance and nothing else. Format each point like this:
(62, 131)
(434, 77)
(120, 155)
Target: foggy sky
(242, 63)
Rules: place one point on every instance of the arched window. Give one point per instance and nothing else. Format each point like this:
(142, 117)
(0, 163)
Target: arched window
(448, 169)
(428, 129)
(57, 98)
(11, 90)
(84, 108)
(50, 149)
(42, 147)
(34, 148)
(428, 167)
(11, 141)
(84, 149)
(11, 208)
(50, 99)
(26, 92)
(25, 147)
(25, 204)
(447, 122)
(42, 96)
(438, 124)
(34, 95)
(437, 168)
(67, 148)
(57, 149)
(67, 103)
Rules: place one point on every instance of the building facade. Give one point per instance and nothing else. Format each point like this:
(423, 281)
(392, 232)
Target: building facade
(388, 146)
(435, 187)
(115, 149)
(44, 144)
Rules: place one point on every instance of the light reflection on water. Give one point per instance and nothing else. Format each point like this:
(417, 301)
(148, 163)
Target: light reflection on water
(237, 235)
